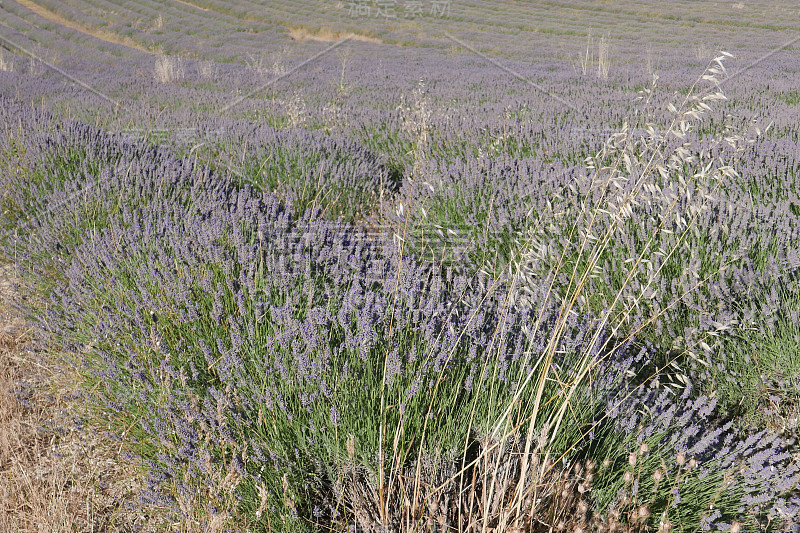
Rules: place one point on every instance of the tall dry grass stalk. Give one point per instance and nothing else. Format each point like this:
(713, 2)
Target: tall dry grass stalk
(510, 479)
(651, 63)
(621, 159)
(344, 59)
(208, 69)
(169, 69)
(416, 124)
(296, 110)
(603, 60)
(702, 51)
(258, 65)
(6, 65)
(587, 61)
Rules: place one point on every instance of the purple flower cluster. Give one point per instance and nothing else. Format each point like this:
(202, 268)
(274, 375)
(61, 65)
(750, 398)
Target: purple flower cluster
(754, 475)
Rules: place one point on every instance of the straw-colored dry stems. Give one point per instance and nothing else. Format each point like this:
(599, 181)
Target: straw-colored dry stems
(169, 69)
(207, 69)
(587, 61)
(6, 65)
(692, 108)
(603, 60)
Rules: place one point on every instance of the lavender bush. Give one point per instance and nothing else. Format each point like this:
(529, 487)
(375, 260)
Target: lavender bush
(319, 295)
(471, 213)
(231, 348)
(306, 169)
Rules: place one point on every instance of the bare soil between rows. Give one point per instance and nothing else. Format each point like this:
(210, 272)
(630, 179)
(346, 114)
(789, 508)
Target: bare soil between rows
(58, 472)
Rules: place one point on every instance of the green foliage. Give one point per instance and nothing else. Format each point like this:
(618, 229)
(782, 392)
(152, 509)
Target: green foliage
(764, 361)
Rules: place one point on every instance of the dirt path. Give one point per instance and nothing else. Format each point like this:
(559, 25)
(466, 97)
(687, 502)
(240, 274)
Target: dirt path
(97, 34)
(57, 474)
(184, 2)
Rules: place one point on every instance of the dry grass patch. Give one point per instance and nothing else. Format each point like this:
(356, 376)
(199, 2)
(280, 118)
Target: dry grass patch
(169, 69)
(184, 2)
(56, 473)
(326, 35)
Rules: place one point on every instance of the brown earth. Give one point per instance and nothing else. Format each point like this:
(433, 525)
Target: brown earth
(57, 473)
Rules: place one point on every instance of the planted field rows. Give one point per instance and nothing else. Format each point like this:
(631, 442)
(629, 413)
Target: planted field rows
(399, 266)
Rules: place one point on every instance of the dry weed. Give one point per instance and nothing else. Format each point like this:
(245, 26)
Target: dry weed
(326, 35)
(6, 65)
(169, 69)
(475, 493)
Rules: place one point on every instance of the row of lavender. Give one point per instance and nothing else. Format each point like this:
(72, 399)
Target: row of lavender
(505, 25)
(229, 321)
(250, 354)
(228, 52)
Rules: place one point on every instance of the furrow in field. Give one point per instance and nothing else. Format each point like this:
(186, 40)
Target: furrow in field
(92, 32)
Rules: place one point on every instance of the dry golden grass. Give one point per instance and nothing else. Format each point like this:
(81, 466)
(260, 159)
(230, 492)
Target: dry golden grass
(55, 474)
(326, 35)
(190, 4)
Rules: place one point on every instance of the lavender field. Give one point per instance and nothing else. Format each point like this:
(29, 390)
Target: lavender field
(414, 266)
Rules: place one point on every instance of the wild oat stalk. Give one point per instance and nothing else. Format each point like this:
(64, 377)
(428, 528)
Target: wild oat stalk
(620, 172)
(615, 209)
(505, 491)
